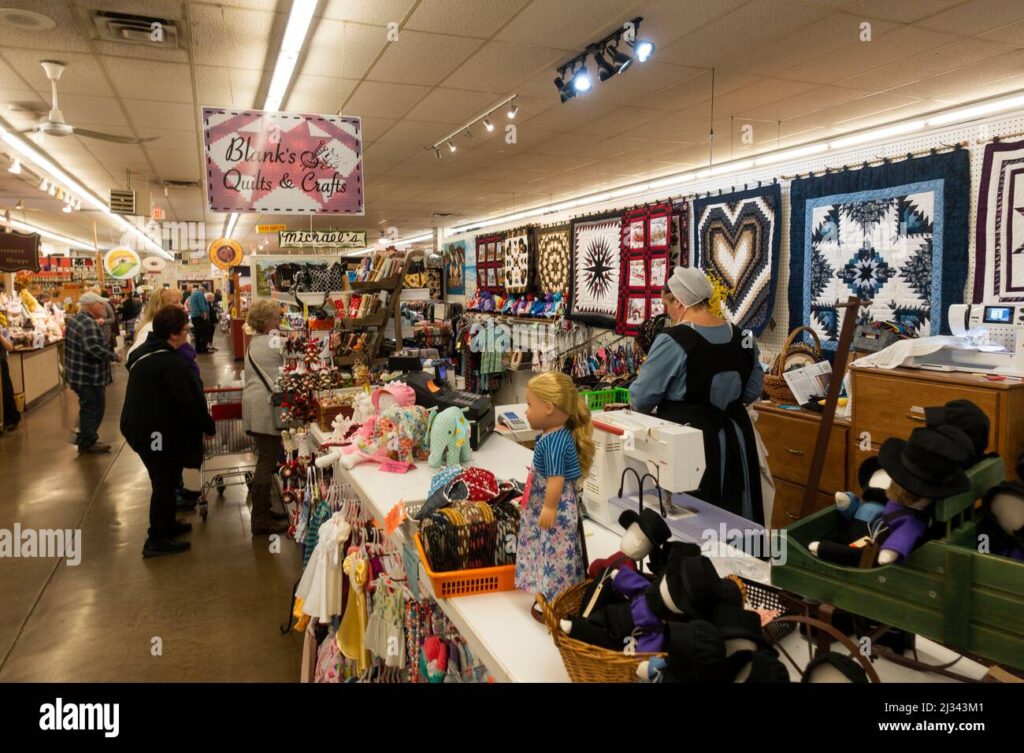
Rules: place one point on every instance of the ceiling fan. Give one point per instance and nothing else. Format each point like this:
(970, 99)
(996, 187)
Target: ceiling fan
(54, 125)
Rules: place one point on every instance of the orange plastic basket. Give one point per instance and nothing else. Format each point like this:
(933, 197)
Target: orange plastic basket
(482, 580)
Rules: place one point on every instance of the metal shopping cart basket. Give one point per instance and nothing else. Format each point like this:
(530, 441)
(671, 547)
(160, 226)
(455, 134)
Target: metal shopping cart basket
(225, 405)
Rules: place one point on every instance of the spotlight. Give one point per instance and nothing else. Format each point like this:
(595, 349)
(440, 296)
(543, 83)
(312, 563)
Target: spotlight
(451, 146)
(15, 166)
(44, 185)
(488, 124)
(469, 134)
(620, 60)
(581, 80)
(604, 69)
(513, 109)
(644, 48)
(20, 205)
(66, 209)
(565, 90)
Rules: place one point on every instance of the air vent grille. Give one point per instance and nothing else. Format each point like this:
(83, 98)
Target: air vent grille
(125, 27)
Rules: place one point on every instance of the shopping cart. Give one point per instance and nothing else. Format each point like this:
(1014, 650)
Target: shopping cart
(225, 405)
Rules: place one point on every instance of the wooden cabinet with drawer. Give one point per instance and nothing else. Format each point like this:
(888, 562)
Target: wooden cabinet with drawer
(891, 402)
(790, 438)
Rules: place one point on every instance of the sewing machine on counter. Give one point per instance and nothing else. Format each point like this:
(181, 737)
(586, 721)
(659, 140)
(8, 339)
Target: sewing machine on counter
(671, 453)
(992, 336)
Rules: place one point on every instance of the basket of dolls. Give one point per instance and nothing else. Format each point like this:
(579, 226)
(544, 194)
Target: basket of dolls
(584, 662)
(794, 355)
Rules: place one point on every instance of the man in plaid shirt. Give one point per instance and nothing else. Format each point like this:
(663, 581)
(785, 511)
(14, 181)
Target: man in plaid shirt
(87, 359)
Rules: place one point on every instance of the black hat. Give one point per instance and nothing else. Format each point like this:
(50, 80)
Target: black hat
(651, 524)
(737, 622)
(696, 652)
(765, 666)
(849, 667)
(929, 464)
(693, 586)
(867, 470)
(966, 416)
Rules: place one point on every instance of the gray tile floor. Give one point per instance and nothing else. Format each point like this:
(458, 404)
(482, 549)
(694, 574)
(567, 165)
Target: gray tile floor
(216, 609)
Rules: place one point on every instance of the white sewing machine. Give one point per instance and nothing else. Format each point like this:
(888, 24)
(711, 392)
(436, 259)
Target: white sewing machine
(671, 452)
(993, 336)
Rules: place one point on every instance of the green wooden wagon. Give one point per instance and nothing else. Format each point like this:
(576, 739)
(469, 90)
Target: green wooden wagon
(946, 590)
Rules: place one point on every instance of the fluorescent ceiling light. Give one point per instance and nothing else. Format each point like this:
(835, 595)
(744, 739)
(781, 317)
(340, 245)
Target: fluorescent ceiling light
(672, 180)
(877, 134)
(804, 151)
(27, 228)
(15, 167)
(731, 167)
(232, 221)
(975, 111)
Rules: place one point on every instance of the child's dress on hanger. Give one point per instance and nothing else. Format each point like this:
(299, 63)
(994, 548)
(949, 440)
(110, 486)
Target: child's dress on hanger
(551, 561)
(353, 622)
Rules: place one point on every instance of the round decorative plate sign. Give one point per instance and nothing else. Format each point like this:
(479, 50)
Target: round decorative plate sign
(226, 253)
(122, 263)
(153, 265)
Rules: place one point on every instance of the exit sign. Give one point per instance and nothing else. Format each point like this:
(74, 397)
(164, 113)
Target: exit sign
(157, 214)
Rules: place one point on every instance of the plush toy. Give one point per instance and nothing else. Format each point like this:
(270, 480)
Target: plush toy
(397, 433)
(1003, 520)
(449, 437)
(859, 514)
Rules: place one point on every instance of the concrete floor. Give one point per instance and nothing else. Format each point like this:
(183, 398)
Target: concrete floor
(216, 609)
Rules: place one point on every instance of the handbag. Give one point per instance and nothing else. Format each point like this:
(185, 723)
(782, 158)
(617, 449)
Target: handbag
(276, 398)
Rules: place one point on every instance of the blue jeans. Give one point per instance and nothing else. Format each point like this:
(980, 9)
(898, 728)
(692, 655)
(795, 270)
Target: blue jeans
(92, 403)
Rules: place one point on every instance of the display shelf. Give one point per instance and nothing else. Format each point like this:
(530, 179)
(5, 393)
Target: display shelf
(376, 319)
(387, 283)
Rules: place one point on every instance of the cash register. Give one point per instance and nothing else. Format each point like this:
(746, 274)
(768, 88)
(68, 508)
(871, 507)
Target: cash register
(479, 409)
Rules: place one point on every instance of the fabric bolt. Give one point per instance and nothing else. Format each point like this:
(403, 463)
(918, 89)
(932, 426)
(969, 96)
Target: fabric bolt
(518, 260)
(999, 240)
(895, 234)
(737, 239)
(553, 257)
(596, 269)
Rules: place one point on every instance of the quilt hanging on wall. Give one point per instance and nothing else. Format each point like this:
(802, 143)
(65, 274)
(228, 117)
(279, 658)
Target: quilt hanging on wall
(594, 282)
(519, 252)
(645, 265)
(681, 233)
(553, 259)
(455, 267)
(490, 263)
(895, 234)
(737, 239)
(999, 247)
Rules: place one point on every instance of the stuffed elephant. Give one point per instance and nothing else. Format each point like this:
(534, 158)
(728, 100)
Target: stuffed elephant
(449, 430)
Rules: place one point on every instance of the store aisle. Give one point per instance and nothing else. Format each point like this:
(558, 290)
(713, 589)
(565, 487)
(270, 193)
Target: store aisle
(214, 611)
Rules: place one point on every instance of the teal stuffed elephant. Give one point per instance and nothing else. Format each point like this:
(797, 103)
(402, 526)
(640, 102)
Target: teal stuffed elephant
(448, 430)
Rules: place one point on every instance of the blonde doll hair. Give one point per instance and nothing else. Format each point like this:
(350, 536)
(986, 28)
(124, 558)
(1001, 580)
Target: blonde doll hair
(157, 300)
(557, 388)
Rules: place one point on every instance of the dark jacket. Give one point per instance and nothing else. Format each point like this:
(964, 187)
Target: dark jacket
(164, 406)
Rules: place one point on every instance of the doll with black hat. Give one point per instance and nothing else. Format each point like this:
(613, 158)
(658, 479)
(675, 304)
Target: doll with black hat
(1002, 520)
(928, 466)
(968, 418)
(857, 516)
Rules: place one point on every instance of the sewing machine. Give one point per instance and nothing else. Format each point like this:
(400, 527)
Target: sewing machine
(994, 334)
(672, 453)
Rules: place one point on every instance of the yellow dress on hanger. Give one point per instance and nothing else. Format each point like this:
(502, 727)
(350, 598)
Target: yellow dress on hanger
(353, 622)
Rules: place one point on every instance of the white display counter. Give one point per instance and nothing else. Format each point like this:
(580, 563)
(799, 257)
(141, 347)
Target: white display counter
(499, 628)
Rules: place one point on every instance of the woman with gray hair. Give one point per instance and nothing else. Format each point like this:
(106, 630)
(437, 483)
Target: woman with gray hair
(703, 371)
(263, 362)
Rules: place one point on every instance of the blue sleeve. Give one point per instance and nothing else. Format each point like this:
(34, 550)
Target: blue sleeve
(664, 363)
(562, 458)
(538, 456)
(752, 389)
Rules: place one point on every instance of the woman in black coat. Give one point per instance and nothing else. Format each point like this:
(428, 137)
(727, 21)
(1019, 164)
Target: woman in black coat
(163, 420)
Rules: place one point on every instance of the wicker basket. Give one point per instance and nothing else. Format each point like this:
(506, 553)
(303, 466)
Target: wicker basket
(583, 662)
(775, 387)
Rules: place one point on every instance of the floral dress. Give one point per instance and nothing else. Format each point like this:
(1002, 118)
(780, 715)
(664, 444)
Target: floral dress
(550, 561)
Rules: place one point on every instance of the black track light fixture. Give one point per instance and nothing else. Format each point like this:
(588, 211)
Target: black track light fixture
(605, 70)
(620, 60)
(610, 55)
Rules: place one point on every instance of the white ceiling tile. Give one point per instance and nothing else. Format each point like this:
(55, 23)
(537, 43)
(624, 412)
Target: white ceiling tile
(83, 75)
(170, 115)
(665, 21)
(236, 35)
(319, 94)
(378, 12)
(975, 17)
(169, 9)
(565, 24)
(146, 79)
(64, 36)
(342, 49)
(171, 140)
(421, 58)
(452, 106)
(967, 83)
(904, 11)
(467, 18)
(141, 52)
(815, 100)
(80, 109)
(1009, 34)
(500, 66)
(384, 100)
(228, 87)
(930, 63)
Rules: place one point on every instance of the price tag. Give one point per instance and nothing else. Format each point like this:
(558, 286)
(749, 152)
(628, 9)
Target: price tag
(395, 466)
(396, 515)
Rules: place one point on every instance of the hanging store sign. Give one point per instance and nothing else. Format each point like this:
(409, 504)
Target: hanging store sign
(154, 265)
(322, 238)
(121, 263)
(282, 163)
(226, 253)
(19, 251)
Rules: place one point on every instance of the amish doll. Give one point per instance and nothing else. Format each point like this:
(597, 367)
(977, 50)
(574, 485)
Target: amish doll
(858, 513)
(551, 555)
(1003, 520)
